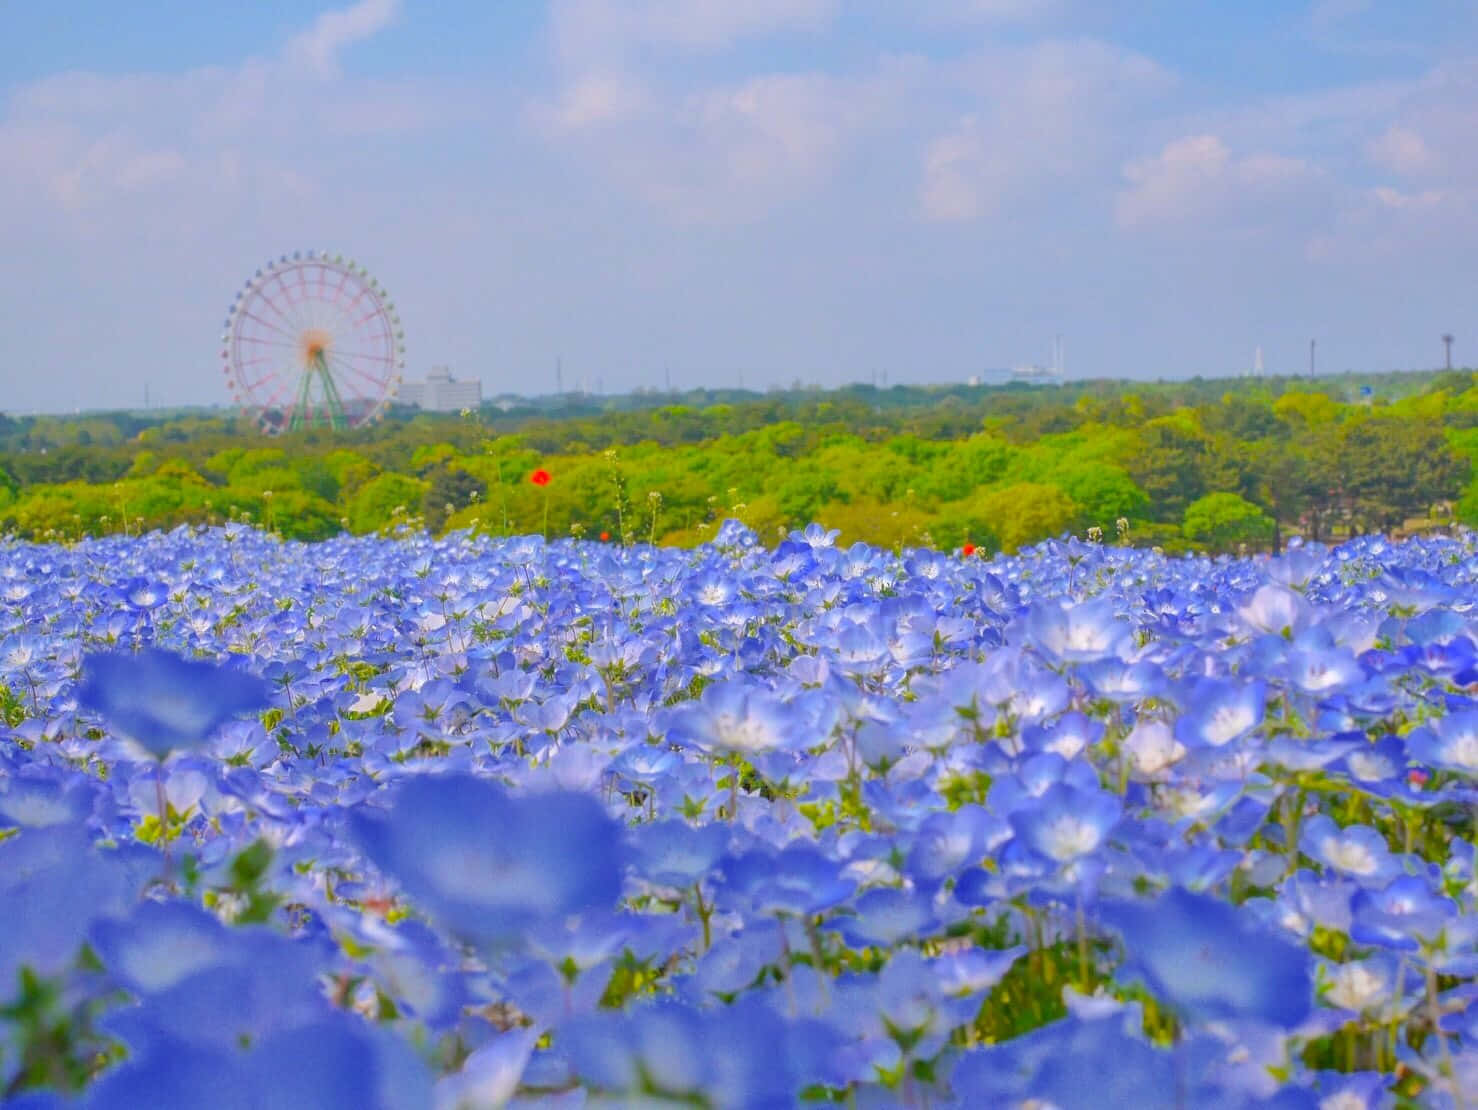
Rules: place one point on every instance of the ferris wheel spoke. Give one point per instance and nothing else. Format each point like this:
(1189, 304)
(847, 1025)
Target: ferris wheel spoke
(301, 305)
(307, 296)
(314, 288)
(277, 396)
(364, 354)
(256, 361)
(294, 327)
(364, 291)
(346, 367)
(332, 293)
(347, 370)
(339, 306)
(262, 341)
(370, 315)
(269, 325)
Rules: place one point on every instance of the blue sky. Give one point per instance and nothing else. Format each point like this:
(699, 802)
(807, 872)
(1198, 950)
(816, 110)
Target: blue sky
(743, 190)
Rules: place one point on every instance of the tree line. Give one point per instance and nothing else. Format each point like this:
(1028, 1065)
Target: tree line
(1204, 465)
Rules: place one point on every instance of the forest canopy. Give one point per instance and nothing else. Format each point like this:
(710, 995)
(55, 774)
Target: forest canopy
(1225, 465)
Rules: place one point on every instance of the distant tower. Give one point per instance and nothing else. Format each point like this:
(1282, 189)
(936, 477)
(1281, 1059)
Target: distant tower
(1447, 342)
(1257, 367)
(1311, 357)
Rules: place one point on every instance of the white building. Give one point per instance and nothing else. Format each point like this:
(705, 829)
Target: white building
(440, 392)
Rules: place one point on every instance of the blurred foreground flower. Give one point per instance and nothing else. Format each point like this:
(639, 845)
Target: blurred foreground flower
(163, 701)
(1212, 962)
(489, 866)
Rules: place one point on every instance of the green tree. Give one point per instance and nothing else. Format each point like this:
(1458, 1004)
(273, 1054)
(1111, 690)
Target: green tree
(449, 489)
(1222, 521)
(1389, 470)
(1176, 464)
(1009, 517)
(1103, 493)
(383, 501)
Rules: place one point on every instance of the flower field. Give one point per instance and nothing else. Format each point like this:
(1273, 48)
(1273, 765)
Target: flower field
(463, 822)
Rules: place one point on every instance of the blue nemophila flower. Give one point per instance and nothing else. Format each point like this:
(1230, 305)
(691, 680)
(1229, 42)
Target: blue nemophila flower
(1067, 823)
(1220, 711)
(489, 1076)
(163, 701)
(884, 917)
(53, 882)
(735, 716)
(1358, 851)
(1037, 774)
(947, 841)
(1276, 610)
(339, 1061)
(1378, 768)
(489, 865)
(1405, 914)
(40, 797)
(1450, 743)
(799, 879)
(1212, 961)
(1082, 632)
(1068, 736)
(1153, 749)
(160, 943)
(1073, 1064)
(1371, 986)
(1121, 681)
(739, 1055)
(675, 854)
(254, 982)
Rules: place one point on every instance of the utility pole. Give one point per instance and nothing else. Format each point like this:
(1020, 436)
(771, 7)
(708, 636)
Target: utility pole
(1447, 342)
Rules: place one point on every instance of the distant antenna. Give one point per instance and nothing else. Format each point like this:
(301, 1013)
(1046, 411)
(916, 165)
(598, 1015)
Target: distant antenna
(1447, 342)
(667, 376)
(1257, 367)
(1311, 358)
(1058, 358)
(146, 389)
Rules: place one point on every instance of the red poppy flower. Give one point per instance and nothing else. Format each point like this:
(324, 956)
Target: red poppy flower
(540, 477)
(604, 536)
(968, 550)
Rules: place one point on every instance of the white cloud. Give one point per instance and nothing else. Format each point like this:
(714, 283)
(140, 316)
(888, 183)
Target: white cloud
(600, 33)
(1197, 182)
(1328, 14)
(594, 100)
(1401, 151)
(1040, 117)
(319, 46)
(726, 153)
(1395, 198)
(984, 11)
(954, 167)
(78, 140)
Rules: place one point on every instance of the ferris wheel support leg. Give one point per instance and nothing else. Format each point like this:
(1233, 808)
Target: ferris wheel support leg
(301, 410)
(336, 416)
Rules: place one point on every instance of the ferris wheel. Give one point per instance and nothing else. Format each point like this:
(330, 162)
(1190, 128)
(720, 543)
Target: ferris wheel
(312, 340)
